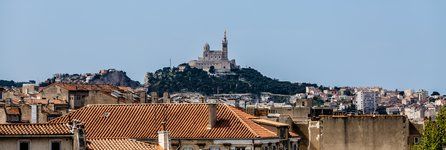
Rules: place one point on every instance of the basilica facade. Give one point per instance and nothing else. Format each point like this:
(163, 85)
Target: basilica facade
(218, 59)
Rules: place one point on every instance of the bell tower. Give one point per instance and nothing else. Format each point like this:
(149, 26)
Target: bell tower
(224, 44)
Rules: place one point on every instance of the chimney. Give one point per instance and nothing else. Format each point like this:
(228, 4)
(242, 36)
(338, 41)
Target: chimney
(79, 142)
(143, 97)
(166, 97)
(154, 97)
(212, 115)
(35, 111)
(163, 140)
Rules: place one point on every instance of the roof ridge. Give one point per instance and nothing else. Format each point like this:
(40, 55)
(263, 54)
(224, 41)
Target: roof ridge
(251, 119)
(143, 104)
(48, 123)
(242, 121)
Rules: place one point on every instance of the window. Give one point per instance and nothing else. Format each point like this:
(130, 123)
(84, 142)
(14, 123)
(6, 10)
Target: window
(55, 145)
(416, 140)
(24, 145)
(239, 148)
(294, 146)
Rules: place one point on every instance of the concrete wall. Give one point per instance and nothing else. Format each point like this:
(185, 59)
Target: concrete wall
(295, 112)
(360, 133)
(35, 143)
(53, 91)
(26, 112)
(2, 116)
(98, 97)
(301, 129)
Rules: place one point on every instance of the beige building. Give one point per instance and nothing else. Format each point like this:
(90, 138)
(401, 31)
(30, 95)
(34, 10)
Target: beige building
(218, 59)
(54, 136)
(61, 136)
(362, 132)
(79, 95)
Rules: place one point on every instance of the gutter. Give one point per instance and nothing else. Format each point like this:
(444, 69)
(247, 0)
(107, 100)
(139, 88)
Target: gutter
(36, 136)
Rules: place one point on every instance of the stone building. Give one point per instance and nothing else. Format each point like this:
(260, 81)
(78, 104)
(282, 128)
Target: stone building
(61, 136)
(218, 59)
(188, 126)
(54, 136)
(366, 132)
(79, 95)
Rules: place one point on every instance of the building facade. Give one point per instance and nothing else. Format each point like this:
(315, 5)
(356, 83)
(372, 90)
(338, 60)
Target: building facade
(79, 95)
(52, 136)
(367, 101)
(365, 132)
(217, 59)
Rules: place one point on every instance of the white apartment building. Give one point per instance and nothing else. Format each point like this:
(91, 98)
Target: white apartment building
(367, 101)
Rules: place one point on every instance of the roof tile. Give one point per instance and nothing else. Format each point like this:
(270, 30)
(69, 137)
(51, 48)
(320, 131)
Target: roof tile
(183, 121)
(35, 129)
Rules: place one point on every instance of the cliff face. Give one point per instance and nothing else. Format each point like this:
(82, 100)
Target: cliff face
(118, 78)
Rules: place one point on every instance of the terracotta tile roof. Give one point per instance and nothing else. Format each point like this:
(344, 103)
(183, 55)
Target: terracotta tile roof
(293, 134)
(58, 101)
(12, 111)
(183, 121)
(35, 129)
(119, 144)
(15, 101)
(87, 87)
(269, 122)
(36, 101)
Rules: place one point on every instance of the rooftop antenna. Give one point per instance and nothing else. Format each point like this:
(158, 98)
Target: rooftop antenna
(170, 63)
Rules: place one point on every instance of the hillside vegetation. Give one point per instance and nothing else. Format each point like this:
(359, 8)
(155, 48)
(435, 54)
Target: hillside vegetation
(244, 80)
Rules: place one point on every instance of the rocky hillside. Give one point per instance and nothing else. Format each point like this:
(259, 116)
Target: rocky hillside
(118, 78)
(110, 76)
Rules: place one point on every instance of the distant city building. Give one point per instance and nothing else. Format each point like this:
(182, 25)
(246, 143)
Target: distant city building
(367, 101)
(415, 113)
(217, 59)
(79, 95)
(408, 92)
(29, 88)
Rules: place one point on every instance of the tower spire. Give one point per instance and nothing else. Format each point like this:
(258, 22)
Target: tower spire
(225, 40)
(224, 45)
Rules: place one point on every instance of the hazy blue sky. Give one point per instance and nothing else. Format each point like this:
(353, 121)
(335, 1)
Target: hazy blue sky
(390, 43)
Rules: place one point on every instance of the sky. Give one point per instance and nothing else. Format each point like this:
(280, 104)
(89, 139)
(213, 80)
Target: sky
(395, 44)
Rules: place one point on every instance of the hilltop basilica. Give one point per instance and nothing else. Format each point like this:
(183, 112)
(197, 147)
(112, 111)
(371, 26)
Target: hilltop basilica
(216, 58)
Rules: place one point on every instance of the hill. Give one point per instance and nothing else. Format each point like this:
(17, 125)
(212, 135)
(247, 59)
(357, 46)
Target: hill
(110, 76)
(244, 80)
(11, 83)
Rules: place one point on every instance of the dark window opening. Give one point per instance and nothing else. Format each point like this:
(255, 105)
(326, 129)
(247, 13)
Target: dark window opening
(55, 145)
(24, 145)
(240, 148)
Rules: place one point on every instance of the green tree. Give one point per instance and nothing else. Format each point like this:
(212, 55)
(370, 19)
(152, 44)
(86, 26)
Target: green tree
(434, 135)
